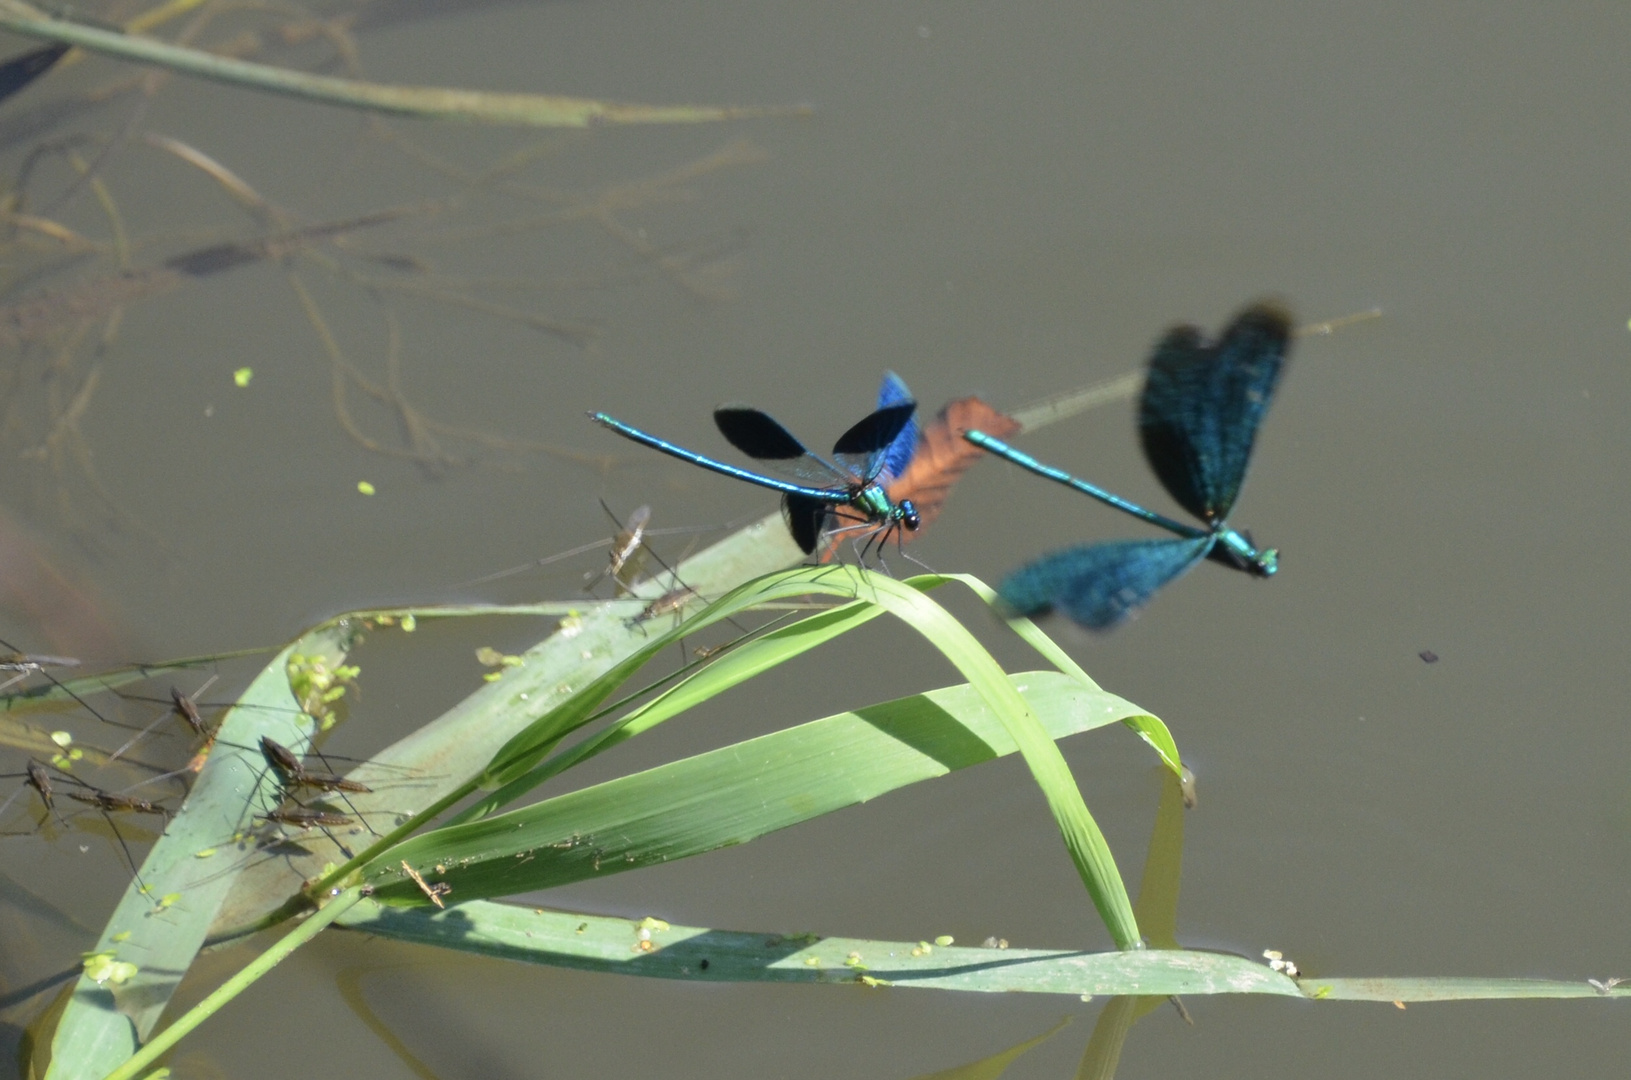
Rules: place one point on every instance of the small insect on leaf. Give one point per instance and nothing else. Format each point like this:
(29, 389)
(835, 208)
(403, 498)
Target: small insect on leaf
(365, 487)
(943, 940)
(242, 376)
(409, 624)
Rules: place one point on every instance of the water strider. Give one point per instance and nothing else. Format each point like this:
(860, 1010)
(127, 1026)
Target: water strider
(630, 548)
(185, 706)
(187, 709)
(36, 776)
(627, 546)
(304, 817)
(25, 664)
(16, 661)
(669, 603)
(109, 803)
(850, 487)
(115, 803)
(296, 775)
(1198, 418)
(40, 781)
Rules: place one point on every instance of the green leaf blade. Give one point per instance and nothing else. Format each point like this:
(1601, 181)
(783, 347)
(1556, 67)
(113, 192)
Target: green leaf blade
(1149, 728)
(1410, 989)
(451, 752)
(102, 1026)
(1083, 839)
(733, 794)
(593, 943)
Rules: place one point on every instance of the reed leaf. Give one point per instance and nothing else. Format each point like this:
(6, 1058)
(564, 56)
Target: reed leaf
(446, 753)
(777, 647)
(618, 946)
(1149, 728)
(594, 943)
(734, 794)
(160, 929)
(1458, 989)
(1085, 843)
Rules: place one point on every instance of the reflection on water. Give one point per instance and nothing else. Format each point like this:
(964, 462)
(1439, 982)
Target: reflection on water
(59, 336)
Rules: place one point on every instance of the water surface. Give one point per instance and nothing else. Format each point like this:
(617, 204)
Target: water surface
(1009, 202)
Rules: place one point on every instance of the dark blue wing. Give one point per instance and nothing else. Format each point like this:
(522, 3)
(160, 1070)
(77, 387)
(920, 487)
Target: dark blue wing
(757, 434)
(762, 438)
(898, 454)
(863, 449)
(1202, 405)
(805, 519)
(1099, 585)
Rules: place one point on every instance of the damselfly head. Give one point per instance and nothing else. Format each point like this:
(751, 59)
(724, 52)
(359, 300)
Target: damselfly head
(1267, 563)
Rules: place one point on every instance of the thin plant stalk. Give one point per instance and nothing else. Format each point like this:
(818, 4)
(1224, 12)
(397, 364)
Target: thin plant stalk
(236, 985)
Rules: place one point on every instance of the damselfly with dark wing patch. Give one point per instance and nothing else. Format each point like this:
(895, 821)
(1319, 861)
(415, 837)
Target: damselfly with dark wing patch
(1198, 419)
(849, 487)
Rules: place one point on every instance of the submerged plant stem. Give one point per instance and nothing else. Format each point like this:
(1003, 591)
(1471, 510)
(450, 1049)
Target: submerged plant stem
(428, 103)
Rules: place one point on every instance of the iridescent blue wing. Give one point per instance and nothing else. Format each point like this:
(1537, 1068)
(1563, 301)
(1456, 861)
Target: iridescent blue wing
(1099, 585)
(898, 454)
(1202, 405)
(760, 437)
(863, 449)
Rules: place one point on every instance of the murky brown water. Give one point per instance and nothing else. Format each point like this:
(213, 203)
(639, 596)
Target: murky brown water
(1007, 202)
